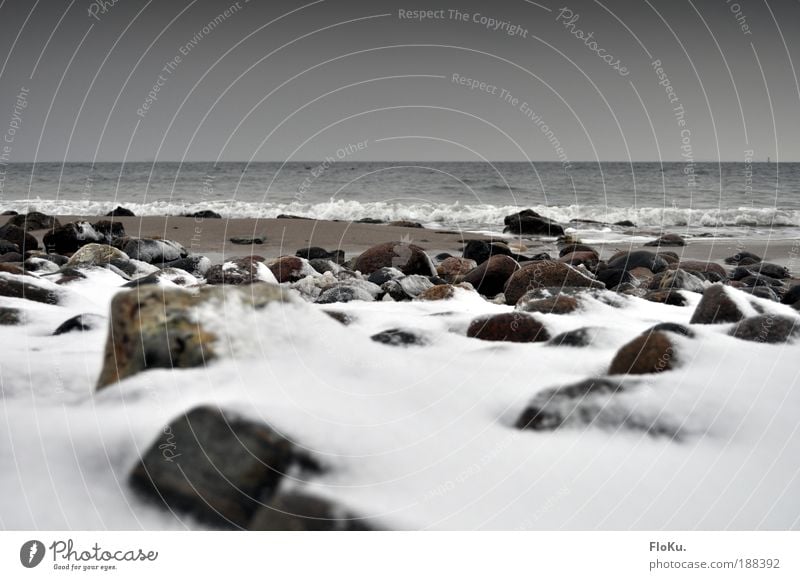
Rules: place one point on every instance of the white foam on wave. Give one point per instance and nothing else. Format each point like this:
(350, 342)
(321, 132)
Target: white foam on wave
(443, 214)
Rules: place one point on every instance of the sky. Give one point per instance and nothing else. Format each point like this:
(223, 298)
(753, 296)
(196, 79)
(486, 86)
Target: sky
(192, 80)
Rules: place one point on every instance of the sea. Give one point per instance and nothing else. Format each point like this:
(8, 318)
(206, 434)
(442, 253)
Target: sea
(756, 200)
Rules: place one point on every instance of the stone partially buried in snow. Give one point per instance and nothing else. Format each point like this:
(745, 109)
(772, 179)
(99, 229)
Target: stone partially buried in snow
(652, 352)
(408, 258)
(80, 323)
(28, 288)
(239, 271)
(153, 251)
(399, 337)
(544, 274)
(157, 327)
(343, 292)
(716, 307)
(558, 304)
(768, 328)
(508, 327)
(216, 466)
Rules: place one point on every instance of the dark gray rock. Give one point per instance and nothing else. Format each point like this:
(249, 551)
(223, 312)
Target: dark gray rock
(768, 328)
(716, 307)
(528, 222)
(204, 214)
(342, 292)
(19, 237)
(34, 220)
(216, 466)
(638, 259)
(10, 316)
(303, 512)
(740, 256)
(399, 337)
(80, 323)
(247, 240)
(120, 211)
(19, 287)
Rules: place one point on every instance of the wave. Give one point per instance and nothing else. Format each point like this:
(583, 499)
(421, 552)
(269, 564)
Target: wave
(442, 214)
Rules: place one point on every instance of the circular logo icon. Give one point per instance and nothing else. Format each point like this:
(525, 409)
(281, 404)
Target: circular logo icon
(31, 553)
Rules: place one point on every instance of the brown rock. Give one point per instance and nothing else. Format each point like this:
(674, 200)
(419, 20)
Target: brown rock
(587, 258)
(407, 258)
(439, 292)
(716, 307)
(651, 352)
(288, 269)
(698, 266)
(508, 327)
(244, 271)
(25, 287)
(453, 269)
(558, 304)
(670, 296)
(491, 276)
(544, 274)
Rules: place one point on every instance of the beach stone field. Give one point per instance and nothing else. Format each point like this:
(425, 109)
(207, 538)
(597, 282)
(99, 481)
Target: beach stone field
(359, 348)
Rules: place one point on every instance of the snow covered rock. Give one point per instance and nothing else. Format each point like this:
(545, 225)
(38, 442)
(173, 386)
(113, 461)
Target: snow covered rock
(245, 270)
(70, 237)
(301, 511)
(508, 327)
(716, 307)
(651, 352)
(216, 466)
(767, 328)
(158, 327)
(29, 288)
(154, 251)
(544, 274)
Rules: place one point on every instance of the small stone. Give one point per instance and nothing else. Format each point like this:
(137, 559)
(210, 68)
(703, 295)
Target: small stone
(558, 304)
(508, 327)
(767, 328)
(398, 337)
(247, 240)
(668, 240)
(648, 353)
(80, 323)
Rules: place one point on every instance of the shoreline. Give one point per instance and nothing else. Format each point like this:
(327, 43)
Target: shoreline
(284, 236)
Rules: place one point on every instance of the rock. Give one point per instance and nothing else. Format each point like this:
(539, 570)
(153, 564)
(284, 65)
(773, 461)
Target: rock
(638, 259)
(301, 512)
(40, 265)
(399, 337)
(698, 266)
(405, 224)
(9, 212)
(480, 250)
(490, 277)
(380, 277)
(10, 316)
(613, 277)
(34, 220)
(668, 240)
(768, 328)
(204, 214)
(558, 304)
(109, 230)
(454, 269)
(11, 257)
(648, 353)
(579, 337)
(196, 265)
(341, 317)
(70, 237)
(154, 251)
(247, 240)
(625, 224)
(576, 247)
(508, 327)
(156, 327)
(545, 274)
(57, 259)
(407, 258)
(11, 268)
(765, 269)
(169, 276)
(316, 253)
(440, 292)
(792, 295)
(671, 327)
(761, 292)
(343, 293)
(670, 296)
(7, 247)
(246, 270)
(291, 269)
(216, 466)
(589, 259)
(677, 280)
(366, 220)
(120, 211)
(716, 307)
(739, 256)
(529, 222)
(19, 237)
(407, 288)
(81, 323)
(96, 255)
(28, 288)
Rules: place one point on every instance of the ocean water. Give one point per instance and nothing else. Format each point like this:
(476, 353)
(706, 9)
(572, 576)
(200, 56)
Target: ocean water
(719, 199)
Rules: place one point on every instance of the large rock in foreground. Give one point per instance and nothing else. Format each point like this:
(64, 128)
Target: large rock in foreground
(407, 258)
(154, 327)
(545, 274)
(216, 466)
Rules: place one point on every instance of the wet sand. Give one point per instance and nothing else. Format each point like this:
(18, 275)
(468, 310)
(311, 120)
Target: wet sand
(285, 236)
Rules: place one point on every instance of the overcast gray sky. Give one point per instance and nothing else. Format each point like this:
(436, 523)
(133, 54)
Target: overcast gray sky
(285, 80)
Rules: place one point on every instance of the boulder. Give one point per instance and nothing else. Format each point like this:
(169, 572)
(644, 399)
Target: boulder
(169, 276)
(528, 222)
(96, 255)
(439, 292)
(481, 250)
(668, 240)
(508, 327)
(156, 327)
(109, 230)
(638, 259)
(579, 337)
(120, 211)
(590, 259)
(216, 466)
(246, 270)
(792, 295)
(343, 292)
(613, 277)
(154, 251)
(407, 258)
(80, 323)
(768, 328)
(384, 275)
(491, 276)
(195, 264)
(70, 237)
(716, 307)
(677, 280)
(399, 337)
(741, 256)
(28, 288)
(316, 253)
(669, 296)
(19, 237)
(454, 269)
(652, 352)
(204, 214)
(407, 287)
(7, 247)
(291, 269)
(558, 304)
(543, 274)
(34, 220)
(671, 327)
(10, 316)
(11, 257)
(699, 266)
(405, 224)
(295, 511)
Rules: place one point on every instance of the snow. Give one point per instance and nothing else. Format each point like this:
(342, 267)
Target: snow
(416, 437)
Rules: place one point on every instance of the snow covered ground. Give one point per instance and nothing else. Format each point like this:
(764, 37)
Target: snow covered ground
(417, 437)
